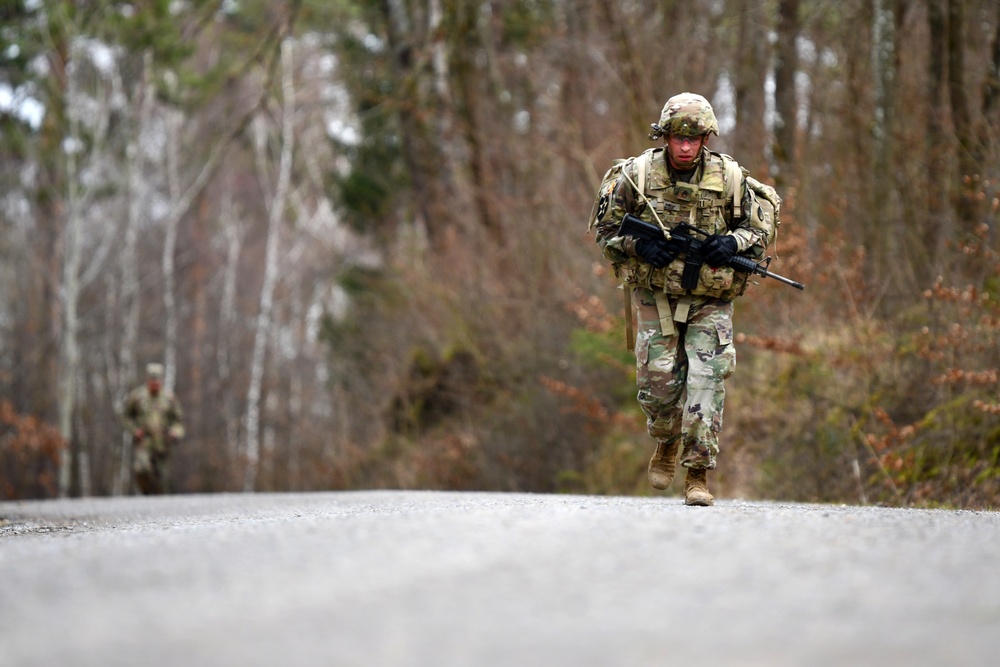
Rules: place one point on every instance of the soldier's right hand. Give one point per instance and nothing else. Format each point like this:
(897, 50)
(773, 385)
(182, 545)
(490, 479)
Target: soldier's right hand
(656, 254)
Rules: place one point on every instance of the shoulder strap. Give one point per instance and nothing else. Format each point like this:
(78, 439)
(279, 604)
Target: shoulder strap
(643, 168)
(734, 181)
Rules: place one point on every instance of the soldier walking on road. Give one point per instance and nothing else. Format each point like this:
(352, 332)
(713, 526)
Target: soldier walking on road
(154, 418)
(684, 343)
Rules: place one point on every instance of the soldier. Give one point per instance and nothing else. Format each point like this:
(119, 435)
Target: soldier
(153, 416)
(684, 344)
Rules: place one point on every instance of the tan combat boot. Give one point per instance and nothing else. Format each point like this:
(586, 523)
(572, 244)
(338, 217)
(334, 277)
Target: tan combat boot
(663, 464)
(696, 488)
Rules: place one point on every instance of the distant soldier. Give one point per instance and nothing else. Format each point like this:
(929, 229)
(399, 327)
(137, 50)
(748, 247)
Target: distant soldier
(153, 416)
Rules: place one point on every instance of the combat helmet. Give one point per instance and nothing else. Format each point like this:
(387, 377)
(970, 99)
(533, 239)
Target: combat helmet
(686, 115)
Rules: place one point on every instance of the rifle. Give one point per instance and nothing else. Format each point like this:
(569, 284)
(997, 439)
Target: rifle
(640, 229)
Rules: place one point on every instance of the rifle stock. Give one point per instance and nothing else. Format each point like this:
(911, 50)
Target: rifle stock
(686, 234)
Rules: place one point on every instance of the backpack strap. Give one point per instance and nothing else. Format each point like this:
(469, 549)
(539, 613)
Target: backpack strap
(643, 167)
(734, 181)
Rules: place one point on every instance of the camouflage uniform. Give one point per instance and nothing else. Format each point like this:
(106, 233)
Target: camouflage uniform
(684, 343)
(159, 418)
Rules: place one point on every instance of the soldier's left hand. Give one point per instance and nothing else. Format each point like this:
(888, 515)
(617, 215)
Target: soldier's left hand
(719, 250)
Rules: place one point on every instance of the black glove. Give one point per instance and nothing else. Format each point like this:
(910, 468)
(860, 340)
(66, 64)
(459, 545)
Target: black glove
(719, 250)
(653, 253)
(674, 247)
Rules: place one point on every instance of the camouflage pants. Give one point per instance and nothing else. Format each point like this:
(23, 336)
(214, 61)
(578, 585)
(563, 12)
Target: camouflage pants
(151, 469)
(681, 375)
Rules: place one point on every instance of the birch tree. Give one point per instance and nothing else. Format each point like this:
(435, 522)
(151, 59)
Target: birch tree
(69, 356)
(82, 188)
(276, 210)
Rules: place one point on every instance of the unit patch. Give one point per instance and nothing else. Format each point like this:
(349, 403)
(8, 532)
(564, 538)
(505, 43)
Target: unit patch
(602, 206)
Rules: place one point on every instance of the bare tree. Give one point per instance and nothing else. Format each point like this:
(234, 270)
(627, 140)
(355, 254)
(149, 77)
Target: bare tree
(406, 32)
(81, 191)
(69, 356)
(752, 63)
(634, 86)
(226, 348)
(786, 104)
(960, 113)
(276, 211)
(938, 218)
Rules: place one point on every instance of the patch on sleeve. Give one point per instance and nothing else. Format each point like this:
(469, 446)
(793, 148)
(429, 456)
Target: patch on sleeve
(602, 206)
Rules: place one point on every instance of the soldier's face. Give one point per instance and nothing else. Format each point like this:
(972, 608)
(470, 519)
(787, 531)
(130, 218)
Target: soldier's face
(683, 151)
(154, 386)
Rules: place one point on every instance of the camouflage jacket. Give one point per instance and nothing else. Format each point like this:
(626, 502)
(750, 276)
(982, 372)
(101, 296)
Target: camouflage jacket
(717, 201)
(160, 417)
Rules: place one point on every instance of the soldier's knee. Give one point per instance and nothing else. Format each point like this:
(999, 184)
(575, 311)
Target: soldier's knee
(711, 369)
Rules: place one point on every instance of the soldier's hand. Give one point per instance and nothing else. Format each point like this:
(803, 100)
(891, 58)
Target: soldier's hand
(653, 253)
(719, 250)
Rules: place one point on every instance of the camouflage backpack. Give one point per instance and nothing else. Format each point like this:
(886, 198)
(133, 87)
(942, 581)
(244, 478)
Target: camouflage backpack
(603, 200)
(765, 205)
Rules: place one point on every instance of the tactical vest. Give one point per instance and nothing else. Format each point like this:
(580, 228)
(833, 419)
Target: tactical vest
(710, 205)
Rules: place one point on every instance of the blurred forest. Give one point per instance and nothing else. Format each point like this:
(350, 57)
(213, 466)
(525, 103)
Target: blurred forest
(355, 232)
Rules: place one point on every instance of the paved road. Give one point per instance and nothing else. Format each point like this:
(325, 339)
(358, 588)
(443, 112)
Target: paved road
(478, 579)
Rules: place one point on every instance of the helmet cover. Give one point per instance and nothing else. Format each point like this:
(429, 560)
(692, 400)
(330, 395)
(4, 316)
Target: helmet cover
(688, 115)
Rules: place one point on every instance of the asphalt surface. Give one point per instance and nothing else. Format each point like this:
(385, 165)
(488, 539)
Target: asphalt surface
(482, 579)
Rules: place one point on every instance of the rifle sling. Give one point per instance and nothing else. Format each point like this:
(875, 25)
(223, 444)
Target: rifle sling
(683, 309)
(663, 310)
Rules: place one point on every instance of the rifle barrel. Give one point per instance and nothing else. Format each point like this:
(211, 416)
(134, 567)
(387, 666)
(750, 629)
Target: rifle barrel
(783, 279)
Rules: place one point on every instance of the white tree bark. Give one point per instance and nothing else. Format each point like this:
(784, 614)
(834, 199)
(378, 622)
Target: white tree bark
(275, 216)
(174, 120)
(79, 200)
(69, 357)
(74, 278)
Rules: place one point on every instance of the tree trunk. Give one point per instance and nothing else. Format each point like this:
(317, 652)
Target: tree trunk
(419, 139)
(69, 357)
(636, 88)
(174, 123)
(890, 251)
(750, 135)
(786, 65)
(228, 321)
(939, 222)
(468, 95)
(968, 175)
(275, 216)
